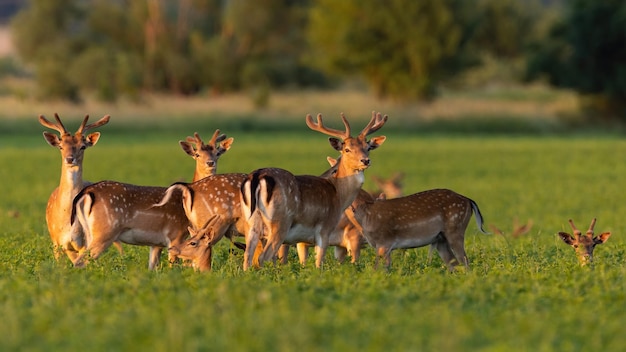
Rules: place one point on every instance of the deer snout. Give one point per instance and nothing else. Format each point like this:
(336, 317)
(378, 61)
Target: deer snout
(69, 160)
(173, 251)
(365, 161)
(210, 163)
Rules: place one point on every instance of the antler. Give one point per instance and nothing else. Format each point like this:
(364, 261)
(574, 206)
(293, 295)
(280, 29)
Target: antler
(195, 139)
(83, 128)
(217, 137)
(55, 126)
(319, 126)
(576, 231)
(376, 122)
(590, 231)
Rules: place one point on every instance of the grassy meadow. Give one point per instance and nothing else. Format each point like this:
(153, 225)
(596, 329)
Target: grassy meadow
(522, 294)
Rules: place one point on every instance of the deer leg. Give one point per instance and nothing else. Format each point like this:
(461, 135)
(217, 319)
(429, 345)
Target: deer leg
(383, 252)
(283, 253)
(458, 248)
(252, 240)
(118, 246)
(340, 253)
(303, 252)
(320, 249)
(155, 255)
(354, 249)
(445, 253)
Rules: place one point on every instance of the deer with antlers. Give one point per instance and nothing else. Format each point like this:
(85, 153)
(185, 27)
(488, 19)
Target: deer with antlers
(282, 207)
(206, 155)
(58, 210)
(110, 211)
(437, 217)
(584, 244)
(346, 238)
(198, 248)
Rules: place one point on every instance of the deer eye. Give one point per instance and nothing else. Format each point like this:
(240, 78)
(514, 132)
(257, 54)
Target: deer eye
(575, 246)
(193, 244)
(347, 150)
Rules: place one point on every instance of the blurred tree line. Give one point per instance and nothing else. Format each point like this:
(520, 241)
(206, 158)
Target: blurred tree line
(403, 49)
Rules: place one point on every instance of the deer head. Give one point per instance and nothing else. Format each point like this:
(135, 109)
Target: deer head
(584, 244)
(197, 248)
(206, 155)
(72, 147)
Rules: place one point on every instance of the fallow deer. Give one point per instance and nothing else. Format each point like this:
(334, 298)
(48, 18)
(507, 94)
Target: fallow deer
(212, 195)
(388, 187)
(437, 217)
(198, 248)
(283, 207)
(517, 230)
(346, 239)
(110, 211)
(206, 155)
(584, 244)
(59, 208)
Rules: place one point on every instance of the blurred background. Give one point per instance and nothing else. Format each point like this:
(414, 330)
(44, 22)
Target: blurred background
(549, 62)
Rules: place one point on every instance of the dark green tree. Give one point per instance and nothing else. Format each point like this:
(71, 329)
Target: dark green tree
(402, 48)
(586, 51)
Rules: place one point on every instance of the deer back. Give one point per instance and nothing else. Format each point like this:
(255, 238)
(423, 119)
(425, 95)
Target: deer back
(112, 208)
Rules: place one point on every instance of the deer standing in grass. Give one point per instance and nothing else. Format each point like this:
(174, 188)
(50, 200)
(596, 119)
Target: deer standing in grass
(59, 208)
(282, 207)
(584, 244)
(110, 211)
(346, 238)
(437, 217)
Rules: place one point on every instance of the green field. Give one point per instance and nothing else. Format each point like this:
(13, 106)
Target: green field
(522, 294)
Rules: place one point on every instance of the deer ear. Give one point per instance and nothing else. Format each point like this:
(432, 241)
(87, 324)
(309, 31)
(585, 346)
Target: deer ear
(225, 145)
(92, 138)
(376, 142)
(335, 143)
(52, 139)
(188, 148)
(567, 238)
(602, 238)
(331, 161)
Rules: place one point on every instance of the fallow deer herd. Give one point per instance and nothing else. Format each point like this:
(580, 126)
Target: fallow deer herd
(268, 208)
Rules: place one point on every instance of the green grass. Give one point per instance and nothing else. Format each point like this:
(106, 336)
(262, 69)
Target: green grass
(524, 294)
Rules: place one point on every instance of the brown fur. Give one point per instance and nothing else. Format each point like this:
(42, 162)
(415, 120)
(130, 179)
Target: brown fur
(306, 208)
(58, 209)
(437, 217)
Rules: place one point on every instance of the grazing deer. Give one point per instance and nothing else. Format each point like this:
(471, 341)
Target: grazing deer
(584, 244)
(110, 211)
(389, 187)
(198, 248)
(437, 217)
(283, 207)
(518, 230)
(59, 208)
(210, 196)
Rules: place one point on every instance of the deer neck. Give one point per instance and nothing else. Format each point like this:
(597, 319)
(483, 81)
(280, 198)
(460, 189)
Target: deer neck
(71, 179)
(203, 171)
(204, 262)
(348, 184)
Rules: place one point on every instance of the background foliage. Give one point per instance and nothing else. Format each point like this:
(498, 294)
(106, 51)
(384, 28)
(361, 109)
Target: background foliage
(585, 51)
